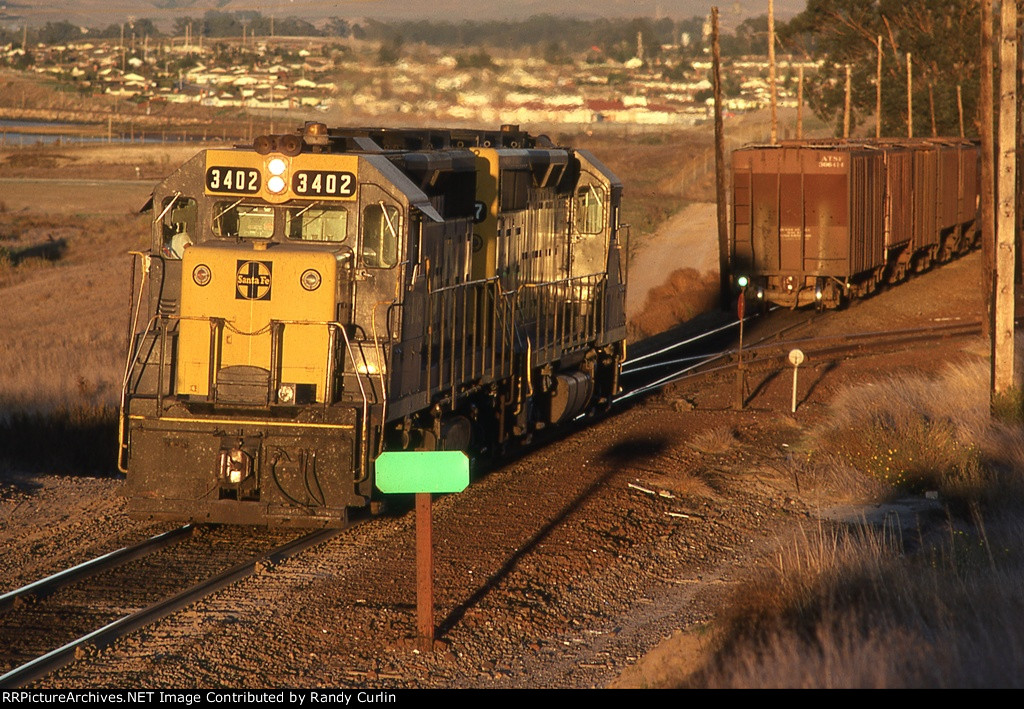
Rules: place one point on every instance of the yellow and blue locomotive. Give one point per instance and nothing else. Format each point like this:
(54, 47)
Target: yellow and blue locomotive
(319, 297)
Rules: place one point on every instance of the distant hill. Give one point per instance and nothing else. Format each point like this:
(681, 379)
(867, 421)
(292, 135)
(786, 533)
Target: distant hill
(95, 13)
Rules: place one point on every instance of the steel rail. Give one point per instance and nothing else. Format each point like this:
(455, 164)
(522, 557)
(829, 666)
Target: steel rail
(55, 659)
(49, 585)
(834, 344)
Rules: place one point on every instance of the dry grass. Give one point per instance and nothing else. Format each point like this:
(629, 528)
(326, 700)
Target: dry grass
(917, 433)
(720, 439)
(63, 328)
(685, 295)
(848, 609)
(873, 606)
(660, 172)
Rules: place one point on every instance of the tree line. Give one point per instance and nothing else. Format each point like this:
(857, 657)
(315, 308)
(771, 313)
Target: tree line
(550, 34)
(941, 38)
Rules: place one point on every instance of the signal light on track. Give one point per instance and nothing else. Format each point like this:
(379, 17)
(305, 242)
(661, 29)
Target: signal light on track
(742, 281)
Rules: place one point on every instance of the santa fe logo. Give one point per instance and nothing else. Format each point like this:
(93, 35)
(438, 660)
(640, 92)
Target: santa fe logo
(252, 280)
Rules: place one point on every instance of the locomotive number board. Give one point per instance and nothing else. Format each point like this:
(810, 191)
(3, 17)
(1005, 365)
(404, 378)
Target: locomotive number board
(232, 180)
(323, 183)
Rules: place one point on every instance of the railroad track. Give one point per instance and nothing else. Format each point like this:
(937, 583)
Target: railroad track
(37, 621)
(772, 350)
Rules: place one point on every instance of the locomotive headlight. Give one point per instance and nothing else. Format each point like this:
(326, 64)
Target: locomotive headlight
(310, 279)
(276, 184)
(235, 465)
(202, 275)
(276, 167)
(286, 394)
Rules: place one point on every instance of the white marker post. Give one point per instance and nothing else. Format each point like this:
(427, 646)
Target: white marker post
(796, 358)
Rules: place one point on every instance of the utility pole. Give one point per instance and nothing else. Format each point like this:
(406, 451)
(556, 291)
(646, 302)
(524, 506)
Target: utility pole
(931, 109)
(723, 215)
(988, 180)
(800, 106)
(960, 107)
(910, 97)
(771, 70)
(846, 106)
(1006, 216)
(878, 92)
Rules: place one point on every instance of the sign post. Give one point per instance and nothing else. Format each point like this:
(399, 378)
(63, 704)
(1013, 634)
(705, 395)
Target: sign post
(796, 358)
(423, 473)
(741, 376)
(425, 625)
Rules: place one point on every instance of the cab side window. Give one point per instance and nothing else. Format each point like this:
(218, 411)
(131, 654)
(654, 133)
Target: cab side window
(380, 235)
(178, 225)
(590, 201)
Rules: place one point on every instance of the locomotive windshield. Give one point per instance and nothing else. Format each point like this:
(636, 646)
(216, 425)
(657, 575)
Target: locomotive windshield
(246, 220)
(316, 222)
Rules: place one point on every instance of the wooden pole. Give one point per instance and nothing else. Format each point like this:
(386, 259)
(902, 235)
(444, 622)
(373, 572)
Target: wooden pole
(878, 92)
(1019, 264)
(771, 70)
(988, 243)
(846, 105)
(720, 196)
(425, 632)
(910, 97)
(1007, 202)
(931, 109)
(800, 106)
(960, 107)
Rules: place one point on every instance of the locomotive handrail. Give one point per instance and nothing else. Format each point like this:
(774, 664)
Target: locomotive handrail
(547, 322)
(218, 323)
(132, 359)
(380, 366)
(364, 466)
(458, 306)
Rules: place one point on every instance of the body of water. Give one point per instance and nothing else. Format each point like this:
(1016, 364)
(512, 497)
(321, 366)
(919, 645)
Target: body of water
(26, 133)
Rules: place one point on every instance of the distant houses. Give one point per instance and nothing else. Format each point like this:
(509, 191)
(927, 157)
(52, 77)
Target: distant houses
(433, 86)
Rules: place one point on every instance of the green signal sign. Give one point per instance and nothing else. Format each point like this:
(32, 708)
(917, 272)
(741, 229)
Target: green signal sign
(422, 471)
